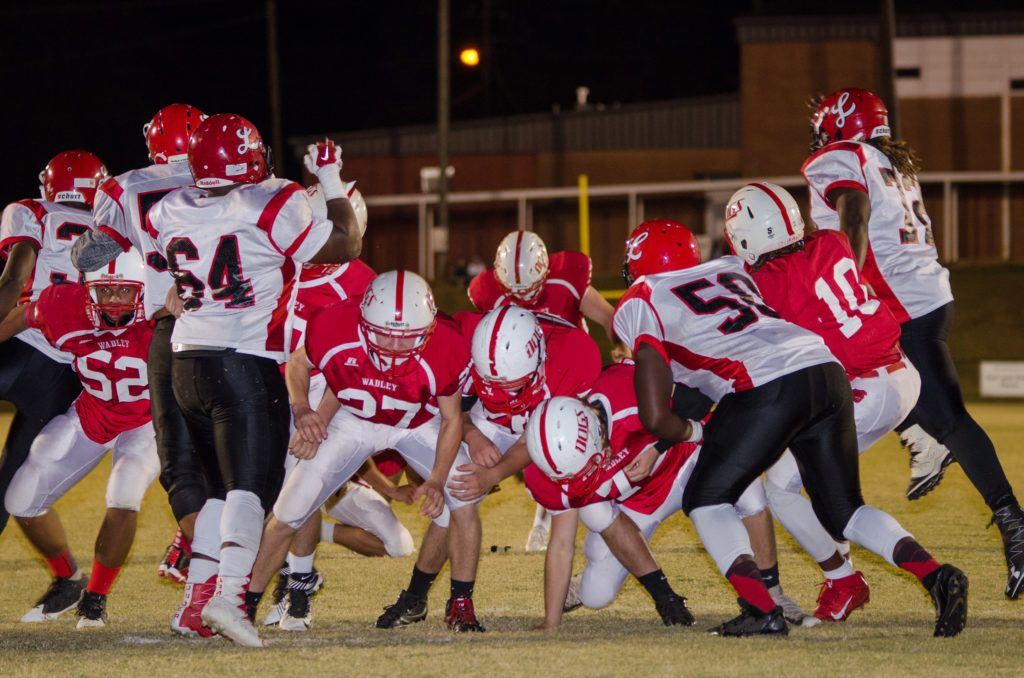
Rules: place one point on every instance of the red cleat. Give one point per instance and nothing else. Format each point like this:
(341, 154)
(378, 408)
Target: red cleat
(176, 559)
(460, 616)
(187, 621)
(839, 597)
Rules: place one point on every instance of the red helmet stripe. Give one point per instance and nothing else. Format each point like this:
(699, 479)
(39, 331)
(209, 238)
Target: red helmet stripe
(399, 294)
(778, 203)
(519, 248)
(544, 436)
(493, 344)
(111, 267)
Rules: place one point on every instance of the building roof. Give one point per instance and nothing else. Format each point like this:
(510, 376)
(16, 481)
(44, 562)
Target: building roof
(867, 26)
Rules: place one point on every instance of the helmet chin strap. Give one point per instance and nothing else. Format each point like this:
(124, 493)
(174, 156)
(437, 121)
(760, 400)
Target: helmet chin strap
(123, 320)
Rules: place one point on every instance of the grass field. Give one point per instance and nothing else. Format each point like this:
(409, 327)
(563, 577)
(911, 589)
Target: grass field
(891, 636)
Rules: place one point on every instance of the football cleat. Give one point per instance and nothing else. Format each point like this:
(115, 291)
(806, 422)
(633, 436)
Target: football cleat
(176, 559)
(793, 613)
(298, 613)
(277, 609)
(63, 595)
(460, 617)
(949, 593)
(572, 596)
(838, 598)
(1010, 520)
(673, 611)
(928, 461)
(229, 619)
(92, 611)
(537, 540)
(408, 609)
(753, 622)
(187, 621)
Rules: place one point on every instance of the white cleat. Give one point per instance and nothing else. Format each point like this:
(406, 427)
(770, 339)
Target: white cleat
(227, 618)
(537, 542)
(276, 613)
(572, 597)
(793, 613)
(86, 623)
(928, 461)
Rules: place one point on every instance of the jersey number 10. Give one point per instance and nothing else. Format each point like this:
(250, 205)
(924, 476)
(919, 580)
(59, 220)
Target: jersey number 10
(852, 302)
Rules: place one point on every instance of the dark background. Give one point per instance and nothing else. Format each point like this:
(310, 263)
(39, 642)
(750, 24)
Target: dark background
(89, 74)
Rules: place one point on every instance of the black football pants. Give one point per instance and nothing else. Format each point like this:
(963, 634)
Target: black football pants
(809, 411)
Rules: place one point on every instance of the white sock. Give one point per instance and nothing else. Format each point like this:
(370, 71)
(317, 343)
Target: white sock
(844, 570)
(241, 524)
(723, 534)
(206, 541)
(876, 531)
(327, 531)
(541, 518)
(300, 564)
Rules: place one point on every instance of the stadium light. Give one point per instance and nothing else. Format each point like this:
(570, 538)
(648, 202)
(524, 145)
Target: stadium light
(470, 56)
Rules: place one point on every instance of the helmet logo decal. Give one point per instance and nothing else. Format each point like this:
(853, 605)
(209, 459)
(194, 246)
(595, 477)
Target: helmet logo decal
(633, 246)
(582, 431)
(244, 133)
(840, 112)
(733, 209)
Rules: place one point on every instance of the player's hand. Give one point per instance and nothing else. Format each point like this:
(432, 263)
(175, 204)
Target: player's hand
(322, 154)
(404, 494)
(472, 482)
(432, 494)
(309, 425)
(300, 449)
(619, 352)
(483, 452)
(640, 468)
(173, 303)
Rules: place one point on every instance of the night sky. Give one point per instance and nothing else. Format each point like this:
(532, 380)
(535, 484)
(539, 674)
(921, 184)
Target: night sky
(89, 74)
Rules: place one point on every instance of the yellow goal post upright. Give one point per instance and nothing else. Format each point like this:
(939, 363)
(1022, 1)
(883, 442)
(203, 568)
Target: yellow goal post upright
(583, 183)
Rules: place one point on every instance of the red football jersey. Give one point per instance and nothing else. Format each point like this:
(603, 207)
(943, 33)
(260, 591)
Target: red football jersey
(613, 392)
(572, 364)
(567, 282)
(820, 289)
(336, 346)
(321, 285)
(111, 364)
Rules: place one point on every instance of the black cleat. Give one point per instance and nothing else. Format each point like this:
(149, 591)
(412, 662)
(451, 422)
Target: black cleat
(92, 611)
(673, 610)
(1010, 520)
(949, 593)
(406, 610)
(753, 622)
(62, 596)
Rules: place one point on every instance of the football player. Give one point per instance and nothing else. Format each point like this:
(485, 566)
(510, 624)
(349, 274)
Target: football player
(864, 183)
(232, 242)
(119, 216)
(587, 463)
(777, 386)
(394, 371)
(812, 280)
(101, 324)
(524, 275)
(35, 237)
(518, 360)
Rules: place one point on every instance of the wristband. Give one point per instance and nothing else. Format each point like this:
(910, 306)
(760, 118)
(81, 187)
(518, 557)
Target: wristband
(329, 177)
(663, 446)
(697, 433)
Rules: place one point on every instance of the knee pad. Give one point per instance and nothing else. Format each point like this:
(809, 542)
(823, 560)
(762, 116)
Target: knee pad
(293, 503)
(398, 542)
(206, 535)
(722, 533)
(23, 499)
(596, 592)
(599, 517)
(753, 500)
(129, 480)
(242, 520)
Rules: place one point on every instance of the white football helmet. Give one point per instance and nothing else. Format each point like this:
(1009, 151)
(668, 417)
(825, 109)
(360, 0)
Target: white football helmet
(521, 264)
(508, 358)
(397, 316)
(761, 218)
(123, 279)
(566, 440)
(319, 204)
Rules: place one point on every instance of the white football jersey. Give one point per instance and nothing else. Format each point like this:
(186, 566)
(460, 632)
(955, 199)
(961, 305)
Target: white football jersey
(53, 228)
(711, 325)
(120, 209)
(233, 258)
(902, 264)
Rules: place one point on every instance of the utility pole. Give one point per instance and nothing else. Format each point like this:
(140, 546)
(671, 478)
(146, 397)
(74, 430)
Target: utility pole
(274, 80)
(443, 114)
(887, 36)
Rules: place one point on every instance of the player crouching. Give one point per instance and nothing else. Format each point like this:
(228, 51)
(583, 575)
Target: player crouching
(101, 324)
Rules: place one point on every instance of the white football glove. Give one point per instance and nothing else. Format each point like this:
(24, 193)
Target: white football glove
(324, 160)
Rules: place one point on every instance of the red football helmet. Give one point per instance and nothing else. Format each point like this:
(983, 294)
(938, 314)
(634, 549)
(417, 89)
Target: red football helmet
(167, 134)
(227, 149)
(72, 176)
(850, 114)
(658, 246)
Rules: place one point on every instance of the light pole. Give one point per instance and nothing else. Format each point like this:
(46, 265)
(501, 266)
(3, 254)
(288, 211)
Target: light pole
(443, 112)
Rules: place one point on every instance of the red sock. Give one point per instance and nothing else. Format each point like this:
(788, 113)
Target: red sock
(62, 565)
(913, 558)
(102, 578)
(746, 579)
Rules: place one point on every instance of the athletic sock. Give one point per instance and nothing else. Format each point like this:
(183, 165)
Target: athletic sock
(62, 565)
(746, 580)
(252, 603)
(462, 589)
(327, 531)
(201, 569)
(770, 575)
(913, 558)
(420, 583)
(844, 570)
(101, 578)
(300, 564)
(656, 584)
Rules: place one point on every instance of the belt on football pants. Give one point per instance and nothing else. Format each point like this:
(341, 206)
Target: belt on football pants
(189, 348)
(882, 371)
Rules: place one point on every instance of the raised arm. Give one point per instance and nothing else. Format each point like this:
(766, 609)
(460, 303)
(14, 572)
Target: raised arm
(345, 241)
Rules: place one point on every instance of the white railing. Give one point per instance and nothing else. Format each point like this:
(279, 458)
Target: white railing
(716, 192)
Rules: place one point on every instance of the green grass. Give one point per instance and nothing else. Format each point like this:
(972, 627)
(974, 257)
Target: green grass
(892, 635)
